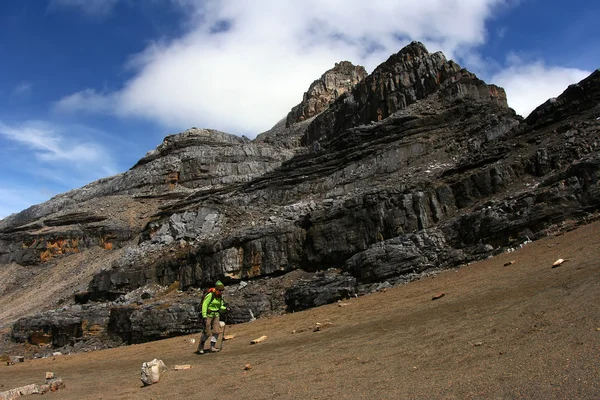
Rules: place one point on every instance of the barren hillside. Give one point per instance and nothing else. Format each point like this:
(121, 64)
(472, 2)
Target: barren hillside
(507, 327)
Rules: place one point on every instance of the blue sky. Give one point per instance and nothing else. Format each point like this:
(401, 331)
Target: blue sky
(87, 87)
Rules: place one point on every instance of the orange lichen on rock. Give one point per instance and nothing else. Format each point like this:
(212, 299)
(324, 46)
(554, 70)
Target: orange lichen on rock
(256, 264)
(105, 241)
(172, 179)
(58, 247)
(91, 329)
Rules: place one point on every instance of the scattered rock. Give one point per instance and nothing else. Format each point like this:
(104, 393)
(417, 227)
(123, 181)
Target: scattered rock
(558, 262)
(182, 367)
(228, 337)
(52, 385)
(55, 384)
(506, 264)
(152, 371)
(45, 388)
(247, 367)
(15, 359)
(260, 339)
(438, 296)
(319, 326)
(19, 392)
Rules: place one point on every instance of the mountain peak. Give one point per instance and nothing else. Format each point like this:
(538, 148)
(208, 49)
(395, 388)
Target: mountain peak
(325, 90)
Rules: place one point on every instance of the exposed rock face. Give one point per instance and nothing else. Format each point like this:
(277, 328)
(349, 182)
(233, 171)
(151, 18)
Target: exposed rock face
(63, 327)
(323, 288)
(325, 90)
(203, 159)
(406, 77)
(195, 160)
(420, 167)
(575, 99)
(322, 93)
(402, 255)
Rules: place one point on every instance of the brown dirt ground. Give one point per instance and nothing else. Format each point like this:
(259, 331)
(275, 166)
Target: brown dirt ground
(526, 330)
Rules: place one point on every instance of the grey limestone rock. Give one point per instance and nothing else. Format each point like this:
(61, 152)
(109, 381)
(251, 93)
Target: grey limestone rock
(419, 167)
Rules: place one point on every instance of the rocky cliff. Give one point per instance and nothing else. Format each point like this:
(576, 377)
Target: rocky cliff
(320, 95)
(324, 91)
(419, 166)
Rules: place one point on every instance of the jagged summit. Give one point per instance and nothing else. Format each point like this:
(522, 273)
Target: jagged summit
(404, 78)
(345, 96)
(325, 90)
(319, 96)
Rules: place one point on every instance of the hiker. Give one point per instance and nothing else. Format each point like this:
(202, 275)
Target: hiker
(212, 306)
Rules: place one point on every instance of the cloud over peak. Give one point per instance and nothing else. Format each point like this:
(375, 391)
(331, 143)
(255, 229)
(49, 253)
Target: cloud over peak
(529, 84)
(241, 66)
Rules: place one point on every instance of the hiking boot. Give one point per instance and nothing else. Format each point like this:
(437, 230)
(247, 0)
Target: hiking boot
(214, 350)
(201, 351)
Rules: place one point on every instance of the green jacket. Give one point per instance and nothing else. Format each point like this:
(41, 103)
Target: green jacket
(212, 305)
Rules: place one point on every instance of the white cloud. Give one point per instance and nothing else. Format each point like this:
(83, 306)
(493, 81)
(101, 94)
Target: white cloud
(241, 66)
(528, 85)
(87, 100)
(58, 150)
(94, 8)
(22, 89)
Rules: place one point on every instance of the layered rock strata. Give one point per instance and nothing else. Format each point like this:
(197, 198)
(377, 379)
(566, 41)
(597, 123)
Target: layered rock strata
(419, 167)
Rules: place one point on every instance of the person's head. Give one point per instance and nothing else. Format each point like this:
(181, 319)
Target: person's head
(219, 285)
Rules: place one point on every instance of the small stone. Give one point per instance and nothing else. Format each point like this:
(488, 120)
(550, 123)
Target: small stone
(50, 375)
(506, 264)
(258, 340)
(247, 367)
(558, 262)
(438, 296)
(16, 359)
